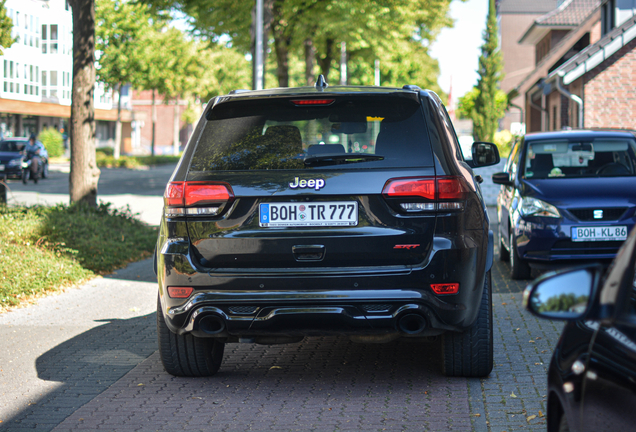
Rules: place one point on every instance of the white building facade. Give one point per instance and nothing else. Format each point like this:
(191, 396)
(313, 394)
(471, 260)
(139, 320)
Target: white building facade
(37, 73)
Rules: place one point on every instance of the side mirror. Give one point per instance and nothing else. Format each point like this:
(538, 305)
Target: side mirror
(502, 178)
(565, 295)
(484, 154)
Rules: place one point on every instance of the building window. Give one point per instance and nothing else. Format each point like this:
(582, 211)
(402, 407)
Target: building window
(53, 32)
(53, 48)
(44, 47)
(44, 32)
(53, 78)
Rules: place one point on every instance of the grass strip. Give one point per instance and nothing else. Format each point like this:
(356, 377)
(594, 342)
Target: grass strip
(106, 160)
(44, 249)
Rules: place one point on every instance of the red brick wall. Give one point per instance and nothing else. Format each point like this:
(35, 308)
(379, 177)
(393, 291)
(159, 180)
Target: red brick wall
(610, 91)
(165, 120)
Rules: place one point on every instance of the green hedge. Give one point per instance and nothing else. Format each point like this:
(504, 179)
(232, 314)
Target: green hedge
(53, 142)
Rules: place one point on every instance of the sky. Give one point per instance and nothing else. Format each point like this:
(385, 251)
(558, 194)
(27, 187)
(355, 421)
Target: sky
(457, 49)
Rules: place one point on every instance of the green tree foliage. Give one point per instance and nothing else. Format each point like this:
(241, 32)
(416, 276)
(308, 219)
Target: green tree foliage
(486, 112)
(6, 24)
(309, 32)
(53, 142)
(122, 32)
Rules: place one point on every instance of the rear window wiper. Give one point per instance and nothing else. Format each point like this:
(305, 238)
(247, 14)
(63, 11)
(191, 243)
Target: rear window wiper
(339, 158)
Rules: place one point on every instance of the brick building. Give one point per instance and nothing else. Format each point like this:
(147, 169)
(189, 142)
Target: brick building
(585, 72)
(514, 18)
(170, 126)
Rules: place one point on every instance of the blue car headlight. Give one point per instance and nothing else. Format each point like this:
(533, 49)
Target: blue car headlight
(14, 162)
(535, 207)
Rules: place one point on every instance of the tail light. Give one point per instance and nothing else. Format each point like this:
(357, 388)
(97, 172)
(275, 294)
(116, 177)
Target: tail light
(196, 198)
(445, 288)
(179, 292)
(428, 194)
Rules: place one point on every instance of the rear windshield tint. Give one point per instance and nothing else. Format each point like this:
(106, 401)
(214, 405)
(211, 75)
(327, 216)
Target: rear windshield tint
(281, 134)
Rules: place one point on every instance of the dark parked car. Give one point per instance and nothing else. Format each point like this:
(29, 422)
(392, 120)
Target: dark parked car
(13, 158)
(566, 196)
(325, 211)
(592, 375)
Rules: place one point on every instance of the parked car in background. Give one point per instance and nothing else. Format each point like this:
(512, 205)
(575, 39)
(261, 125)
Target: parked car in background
(592, 374)
(566, 197)
(314, 211)
(11, 158)
(15, 160)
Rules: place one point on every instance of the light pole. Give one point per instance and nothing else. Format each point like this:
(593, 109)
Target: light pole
(259, 45)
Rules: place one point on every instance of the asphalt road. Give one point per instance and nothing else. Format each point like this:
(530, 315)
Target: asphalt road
(141, 190)
(86, 360)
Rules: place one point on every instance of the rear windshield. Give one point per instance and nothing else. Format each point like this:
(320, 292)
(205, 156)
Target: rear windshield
(286, 134)
(601, 157)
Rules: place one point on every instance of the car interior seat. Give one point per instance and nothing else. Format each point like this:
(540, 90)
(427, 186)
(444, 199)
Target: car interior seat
(394, 140)
(283, 140)
(322, 149)
(541, 165)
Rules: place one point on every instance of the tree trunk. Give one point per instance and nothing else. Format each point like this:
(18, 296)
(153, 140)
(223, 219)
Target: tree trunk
(117, 149)
(175, 131)
(310, 61)
(84, 174)
(154, 123)
(325, 62)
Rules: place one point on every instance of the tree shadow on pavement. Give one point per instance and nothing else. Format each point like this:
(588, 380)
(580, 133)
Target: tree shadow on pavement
(86, 365)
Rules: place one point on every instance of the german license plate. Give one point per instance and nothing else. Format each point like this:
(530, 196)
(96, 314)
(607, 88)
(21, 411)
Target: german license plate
(612, 233)
(329, 213)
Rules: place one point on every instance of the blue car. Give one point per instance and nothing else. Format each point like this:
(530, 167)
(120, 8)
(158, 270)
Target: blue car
(566, 197)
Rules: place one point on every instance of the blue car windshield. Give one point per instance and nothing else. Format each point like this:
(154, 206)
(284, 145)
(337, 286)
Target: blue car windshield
(601, 157)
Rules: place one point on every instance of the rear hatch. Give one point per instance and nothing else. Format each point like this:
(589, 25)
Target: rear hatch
(334, 181)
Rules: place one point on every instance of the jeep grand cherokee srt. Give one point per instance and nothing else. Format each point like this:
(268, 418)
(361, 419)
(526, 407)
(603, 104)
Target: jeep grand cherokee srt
(325, 211)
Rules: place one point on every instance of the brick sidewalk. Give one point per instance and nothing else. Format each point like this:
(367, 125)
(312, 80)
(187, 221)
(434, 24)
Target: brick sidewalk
(325, 383)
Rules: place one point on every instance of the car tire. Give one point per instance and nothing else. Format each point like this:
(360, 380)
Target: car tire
(504, 254)
(519, 269)
(45, 170)
(563, 424)
(25, 176)
(470, 353)
(186, 355)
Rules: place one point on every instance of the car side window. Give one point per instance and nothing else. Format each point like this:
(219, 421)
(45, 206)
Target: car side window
(513, 159)
(452, 135)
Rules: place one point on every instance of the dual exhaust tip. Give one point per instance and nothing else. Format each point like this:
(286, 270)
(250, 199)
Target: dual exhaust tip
(410, 324)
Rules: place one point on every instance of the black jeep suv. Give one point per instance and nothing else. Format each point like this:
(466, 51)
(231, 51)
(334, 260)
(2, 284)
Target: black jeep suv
(325, 211)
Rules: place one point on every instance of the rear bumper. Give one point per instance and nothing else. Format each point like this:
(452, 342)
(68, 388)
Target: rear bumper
(288, 313)
(323, 301)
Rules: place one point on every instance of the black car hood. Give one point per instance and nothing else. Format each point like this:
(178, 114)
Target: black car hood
(608, 191)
